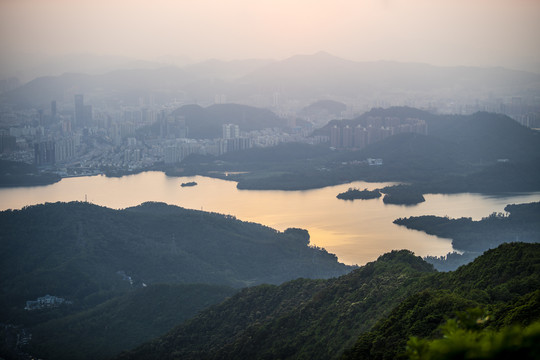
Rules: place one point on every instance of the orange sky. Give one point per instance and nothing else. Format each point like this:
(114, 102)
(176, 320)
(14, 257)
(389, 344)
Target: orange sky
(440, 32)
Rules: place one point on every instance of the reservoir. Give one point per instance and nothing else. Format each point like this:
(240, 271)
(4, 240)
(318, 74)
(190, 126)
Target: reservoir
(356, 231)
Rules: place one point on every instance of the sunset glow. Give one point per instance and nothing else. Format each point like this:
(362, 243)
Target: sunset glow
(485, 33)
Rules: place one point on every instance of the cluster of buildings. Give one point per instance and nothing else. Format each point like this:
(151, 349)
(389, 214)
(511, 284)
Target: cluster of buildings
(127, 138)
(372, 130)
(46, 302)
(78, 135)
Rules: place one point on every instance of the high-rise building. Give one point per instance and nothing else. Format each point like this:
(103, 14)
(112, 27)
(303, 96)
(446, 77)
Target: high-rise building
(79, 110)
(335, 136)
(44, 153)
(64, 149)
(347, 134)
(53, 109)
(231, 131)
(360, 137)
(83, 113)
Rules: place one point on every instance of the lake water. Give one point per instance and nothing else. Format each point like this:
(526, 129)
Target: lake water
(356, 231)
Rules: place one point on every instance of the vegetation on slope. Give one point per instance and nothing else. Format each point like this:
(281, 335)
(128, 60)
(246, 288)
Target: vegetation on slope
(399, 293)
(503, 281)
(301, 319)
(467, 338)
(76, 251)
(123, 322)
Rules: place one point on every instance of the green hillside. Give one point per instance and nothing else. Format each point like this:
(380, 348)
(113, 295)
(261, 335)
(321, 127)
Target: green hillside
(504, 282)
(123, 322)
(300, 319)
(84, 253)
(367, 314)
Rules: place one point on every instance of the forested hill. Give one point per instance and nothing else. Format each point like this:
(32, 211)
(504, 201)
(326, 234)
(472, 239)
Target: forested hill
(367, 314)
(481, 136)
(312, 319)
(520, 223)
(119, 324)
(206, 123)
(79, 250)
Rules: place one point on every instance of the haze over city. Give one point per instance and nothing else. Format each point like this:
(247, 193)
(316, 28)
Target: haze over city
(269, 179)
(447, 33)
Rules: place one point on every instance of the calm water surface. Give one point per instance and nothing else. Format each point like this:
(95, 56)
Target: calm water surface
(356, 231)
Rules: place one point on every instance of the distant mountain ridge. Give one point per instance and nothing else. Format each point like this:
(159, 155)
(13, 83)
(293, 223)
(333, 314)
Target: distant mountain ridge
(301, 77)
(313, 74)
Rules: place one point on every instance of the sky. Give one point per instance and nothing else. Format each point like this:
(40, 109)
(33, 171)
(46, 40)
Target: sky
(438, 32)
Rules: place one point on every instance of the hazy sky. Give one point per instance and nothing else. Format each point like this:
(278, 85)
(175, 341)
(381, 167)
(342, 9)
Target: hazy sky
(439, 32)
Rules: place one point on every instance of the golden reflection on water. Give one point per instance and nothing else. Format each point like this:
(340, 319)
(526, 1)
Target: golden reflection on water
(356, 231)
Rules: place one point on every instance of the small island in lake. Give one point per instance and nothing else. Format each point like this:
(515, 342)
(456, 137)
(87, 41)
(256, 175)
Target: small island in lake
(191, 183)
(365, 194)
(402, 195)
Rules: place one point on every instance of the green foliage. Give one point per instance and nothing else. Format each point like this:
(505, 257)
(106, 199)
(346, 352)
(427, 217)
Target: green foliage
(302, 319)
(504, 280)
(85, 253)
(365, 194)
(123, 322)
(402, 195)
(75, 250)
(467, 338)
(367, 314)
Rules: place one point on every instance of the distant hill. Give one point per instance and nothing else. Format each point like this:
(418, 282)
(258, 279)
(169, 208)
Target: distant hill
(300, 78)
(367, 314)
(329, 107)
(83, 252)
(207, 122)
(120, 84)
(480, 137)
(225, 70)
(30, 67)
(322, 74)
